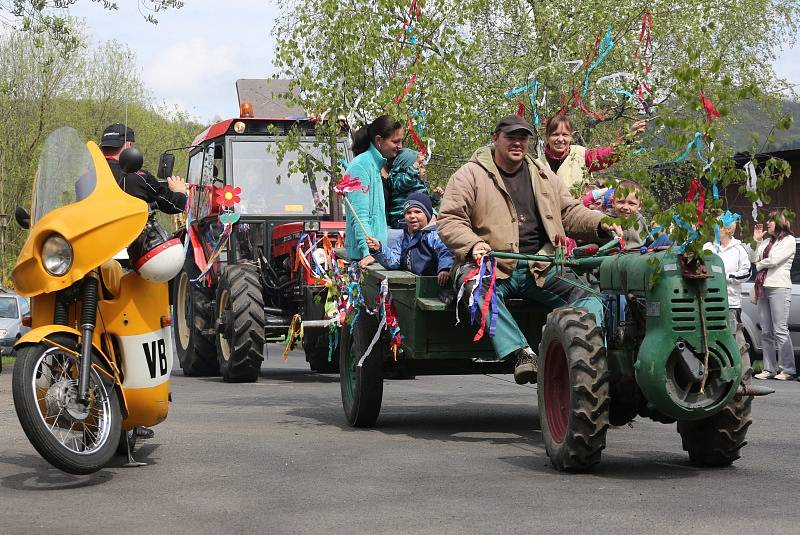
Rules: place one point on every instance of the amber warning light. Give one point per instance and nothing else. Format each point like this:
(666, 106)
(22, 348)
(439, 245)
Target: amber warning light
(245, 109)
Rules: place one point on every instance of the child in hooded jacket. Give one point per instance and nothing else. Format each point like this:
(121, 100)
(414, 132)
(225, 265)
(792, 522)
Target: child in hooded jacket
(406, 176)
(420, 251)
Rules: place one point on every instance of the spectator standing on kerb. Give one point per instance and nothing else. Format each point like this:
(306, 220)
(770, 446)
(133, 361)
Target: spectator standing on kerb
(735, 257)
(773, 293)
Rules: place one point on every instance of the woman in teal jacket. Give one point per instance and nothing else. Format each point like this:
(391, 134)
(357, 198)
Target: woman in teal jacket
(372, 146)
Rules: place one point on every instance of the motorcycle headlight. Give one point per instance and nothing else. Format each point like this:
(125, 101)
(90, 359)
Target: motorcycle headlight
(57, 255)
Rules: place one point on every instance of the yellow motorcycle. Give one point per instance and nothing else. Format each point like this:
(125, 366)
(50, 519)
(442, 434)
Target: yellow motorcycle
(96, 364)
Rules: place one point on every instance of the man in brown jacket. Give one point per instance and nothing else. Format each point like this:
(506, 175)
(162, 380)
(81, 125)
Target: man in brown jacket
(502, 200)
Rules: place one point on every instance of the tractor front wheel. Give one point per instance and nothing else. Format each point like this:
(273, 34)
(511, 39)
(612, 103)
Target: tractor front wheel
(717, 441)
(240, 324)
(193, 321)
(573, 389)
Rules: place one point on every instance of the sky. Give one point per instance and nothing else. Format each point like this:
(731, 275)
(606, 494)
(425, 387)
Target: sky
(194, 56)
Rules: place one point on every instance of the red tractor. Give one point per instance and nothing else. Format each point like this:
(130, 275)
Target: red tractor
(225, 314)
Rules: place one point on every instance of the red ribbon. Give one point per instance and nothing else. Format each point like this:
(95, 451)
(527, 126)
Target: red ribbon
(696, 190)
(487, 300)
(644, 36)
(711, 111)
(521, 109)
(399, 98)
(415, 137)
(583, 107)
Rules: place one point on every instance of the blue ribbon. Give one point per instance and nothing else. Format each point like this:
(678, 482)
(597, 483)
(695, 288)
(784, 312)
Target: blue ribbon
(621, 91)
(412, 39)
(534, 92)
(422, 121)
(697, 144)
(686, 226)
(606, 45)
(729, 218)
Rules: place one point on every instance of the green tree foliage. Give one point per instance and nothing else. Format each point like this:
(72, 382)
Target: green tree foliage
(354, 59)
(44, 86)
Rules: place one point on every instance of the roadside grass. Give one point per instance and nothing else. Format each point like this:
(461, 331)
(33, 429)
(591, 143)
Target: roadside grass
(8, 360)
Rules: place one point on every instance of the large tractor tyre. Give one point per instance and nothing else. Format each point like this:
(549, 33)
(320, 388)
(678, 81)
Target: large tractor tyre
(362, 386)
(315, 345)
(193, 323)
(717, 441)
(240, 324)
(573, 389)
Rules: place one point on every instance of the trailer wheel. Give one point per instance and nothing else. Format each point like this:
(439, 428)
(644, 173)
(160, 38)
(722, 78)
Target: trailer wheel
(362, 386)
(193, 320)
(573, 389)
(240, 324)
(718, 440)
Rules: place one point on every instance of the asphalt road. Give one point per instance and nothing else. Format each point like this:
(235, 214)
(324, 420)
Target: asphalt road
(449, 455)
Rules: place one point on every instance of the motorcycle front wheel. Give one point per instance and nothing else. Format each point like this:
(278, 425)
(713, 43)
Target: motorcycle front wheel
(72, 437)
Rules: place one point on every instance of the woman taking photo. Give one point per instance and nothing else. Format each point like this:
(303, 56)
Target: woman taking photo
(773, 292)
(571, 162)
(372, 146)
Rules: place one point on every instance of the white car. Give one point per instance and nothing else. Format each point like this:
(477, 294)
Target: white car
(12, 309)
(751, 319)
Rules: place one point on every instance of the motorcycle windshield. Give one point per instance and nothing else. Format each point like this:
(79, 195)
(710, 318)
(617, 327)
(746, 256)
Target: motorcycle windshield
(65, 173)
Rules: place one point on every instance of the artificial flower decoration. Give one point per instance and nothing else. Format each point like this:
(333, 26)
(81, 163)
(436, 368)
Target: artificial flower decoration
(228, 196)
(229, 218)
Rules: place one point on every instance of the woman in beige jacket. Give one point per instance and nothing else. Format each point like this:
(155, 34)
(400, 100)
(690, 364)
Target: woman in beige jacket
(773, 291)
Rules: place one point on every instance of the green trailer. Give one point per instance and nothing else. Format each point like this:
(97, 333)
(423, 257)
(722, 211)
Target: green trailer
(664, 349)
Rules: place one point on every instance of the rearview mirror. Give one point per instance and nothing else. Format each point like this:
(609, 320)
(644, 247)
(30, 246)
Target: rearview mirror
(166, 163)
(23, 217)
(131, 160)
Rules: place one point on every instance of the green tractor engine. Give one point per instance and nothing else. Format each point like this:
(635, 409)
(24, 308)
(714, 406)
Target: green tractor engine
(675, 342)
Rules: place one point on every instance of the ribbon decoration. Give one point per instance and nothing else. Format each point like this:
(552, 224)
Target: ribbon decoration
(606, 46)
(686, 226)
(217, 250)
(583, 107)
(534, 103)
(697, 144)
(521, 108)
(488, 310)
(696, 190)
(711, 111)
(751, 185)
(644, 36)
(294, 335)
(415, 138)
(388, 314)
(399, 98)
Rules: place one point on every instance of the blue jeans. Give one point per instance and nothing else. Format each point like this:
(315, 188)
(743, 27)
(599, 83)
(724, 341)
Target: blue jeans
(774, 310)
(520, 285)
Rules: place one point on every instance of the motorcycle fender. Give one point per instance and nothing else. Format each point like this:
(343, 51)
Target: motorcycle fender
(35, 336)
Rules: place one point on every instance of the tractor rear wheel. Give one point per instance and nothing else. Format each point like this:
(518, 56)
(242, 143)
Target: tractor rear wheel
(718, 440)
(573, 389)
(240, 324)
(362, 386)
(193, 321)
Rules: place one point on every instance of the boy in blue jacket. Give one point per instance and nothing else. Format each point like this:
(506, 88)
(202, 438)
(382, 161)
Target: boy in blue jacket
(421, 251)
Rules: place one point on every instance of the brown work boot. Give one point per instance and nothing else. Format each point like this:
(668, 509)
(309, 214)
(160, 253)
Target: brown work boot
(525, 368)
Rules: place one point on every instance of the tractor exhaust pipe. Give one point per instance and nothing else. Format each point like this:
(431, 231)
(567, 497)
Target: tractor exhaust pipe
(753, 390)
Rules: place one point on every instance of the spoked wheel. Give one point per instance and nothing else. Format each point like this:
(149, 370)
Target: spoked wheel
(362, 386)
(193, 321)
(573, 389)
(718, 440)
(72, 437)
(240, 324)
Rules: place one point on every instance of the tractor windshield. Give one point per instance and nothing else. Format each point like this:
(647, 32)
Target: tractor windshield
(256, 171)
